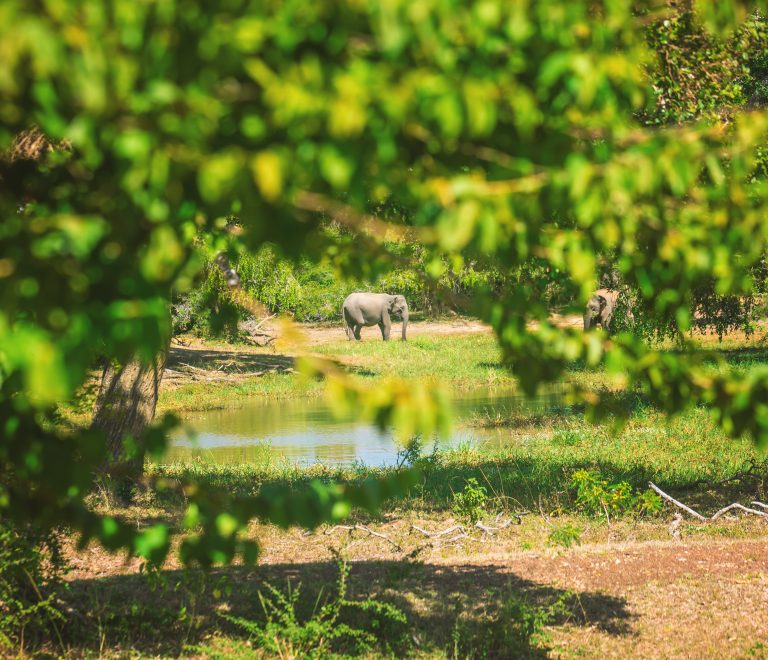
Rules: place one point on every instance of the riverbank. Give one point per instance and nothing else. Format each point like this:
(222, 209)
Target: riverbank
(461, 354)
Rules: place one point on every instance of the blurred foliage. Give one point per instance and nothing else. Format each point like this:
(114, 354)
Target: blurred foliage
(512, 132)
(698, 73)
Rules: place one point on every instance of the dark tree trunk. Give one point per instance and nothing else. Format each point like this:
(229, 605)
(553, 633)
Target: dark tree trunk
(125, 406)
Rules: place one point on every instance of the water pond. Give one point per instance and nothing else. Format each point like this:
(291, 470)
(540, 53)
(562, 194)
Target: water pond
(304, 430)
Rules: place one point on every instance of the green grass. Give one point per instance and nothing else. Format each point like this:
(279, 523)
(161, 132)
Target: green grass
(460, 362)
(528, 461)
(205, 396)
(463, 361)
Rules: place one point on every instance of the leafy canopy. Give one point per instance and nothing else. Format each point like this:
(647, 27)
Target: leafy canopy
(509, 129)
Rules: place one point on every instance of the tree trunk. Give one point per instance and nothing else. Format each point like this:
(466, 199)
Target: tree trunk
(125, 406)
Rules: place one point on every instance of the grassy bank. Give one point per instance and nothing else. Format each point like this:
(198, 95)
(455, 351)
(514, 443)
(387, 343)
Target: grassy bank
(462, 362)
(534, 458)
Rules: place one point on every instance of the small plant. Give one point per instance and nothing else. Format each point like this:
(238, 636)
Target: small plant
(338, 626)
(597, 496)
(647, 503)
(566, 536)
(472, 502)
(411, 452)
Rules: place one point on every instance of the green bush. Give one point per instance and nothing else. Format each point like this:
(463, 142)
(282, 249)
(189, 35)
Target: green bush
(340, 625)
(597, 496)
(472, 502)
(565, 535)
(31, 567)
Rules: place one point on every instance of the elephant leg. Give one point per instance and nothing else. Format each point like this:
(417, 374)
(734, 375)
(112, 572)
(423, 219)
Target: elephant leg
(356, 331)
(348, 330)
(385, 328)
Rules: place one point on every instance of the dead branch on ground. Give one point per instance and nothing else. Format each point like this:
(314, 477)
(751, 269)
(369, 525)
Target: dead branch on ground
(714, 516)
(491, 530)
(432, 535)
(361, 528)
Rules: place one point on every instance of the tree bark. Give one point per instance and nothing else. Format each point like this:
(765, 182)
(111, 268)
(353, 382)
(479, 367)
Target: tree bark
(125, 406)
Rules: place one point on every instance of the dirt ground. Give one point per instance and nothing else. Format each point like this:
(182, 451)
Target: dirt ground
(458, 325)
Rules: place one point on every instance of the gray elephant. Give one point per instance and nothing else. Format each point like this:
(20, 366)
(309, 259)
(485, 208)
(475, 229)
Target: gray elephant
(366, 309)
(600, 309)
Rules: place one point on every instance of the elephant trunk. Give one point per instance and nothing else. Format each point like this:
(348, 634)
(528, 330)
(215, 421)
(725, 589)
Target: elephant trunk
(405, 320)
(587, 321)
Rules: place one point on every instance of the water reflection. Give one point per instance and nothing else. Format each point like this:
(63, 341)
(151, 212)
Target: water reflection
(304, 431)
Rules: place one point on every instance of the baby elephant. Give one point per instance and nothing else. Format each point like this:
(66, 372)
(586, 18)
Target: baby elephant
(600, 309)
(367, 309)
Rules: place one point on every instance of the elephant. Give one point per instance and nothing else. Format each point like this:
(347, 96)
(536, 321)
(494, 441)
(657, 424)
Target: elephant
(600, 309)
(366, 309)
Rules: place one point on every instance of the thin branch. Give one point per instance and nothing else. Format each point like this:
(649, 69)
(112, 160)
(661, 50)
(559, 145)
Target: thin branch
(370, 532)
(716, 515)
(455, 528)
(262, 322)
(741, 507)
(490, 530)
(458, 537)
(680, 505)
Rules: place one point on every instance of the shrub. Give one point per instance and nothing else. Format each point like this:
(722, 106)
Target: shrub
(596, 495)
(338, 626)
(31, 567)
(472, 502)
(566, 536)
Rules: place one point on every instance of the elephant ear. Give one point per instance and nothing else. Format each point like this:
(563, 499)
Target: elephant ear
(603, 302)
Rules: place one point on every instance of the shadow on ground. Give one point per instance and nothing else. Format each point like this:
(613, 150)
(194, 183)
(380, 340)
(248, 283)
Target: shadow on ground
(229, 361)
(166, 612)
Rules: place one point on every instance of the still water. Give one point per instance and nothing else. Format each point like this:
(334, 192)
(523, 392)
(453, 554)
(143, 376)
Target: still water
(304, 431)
